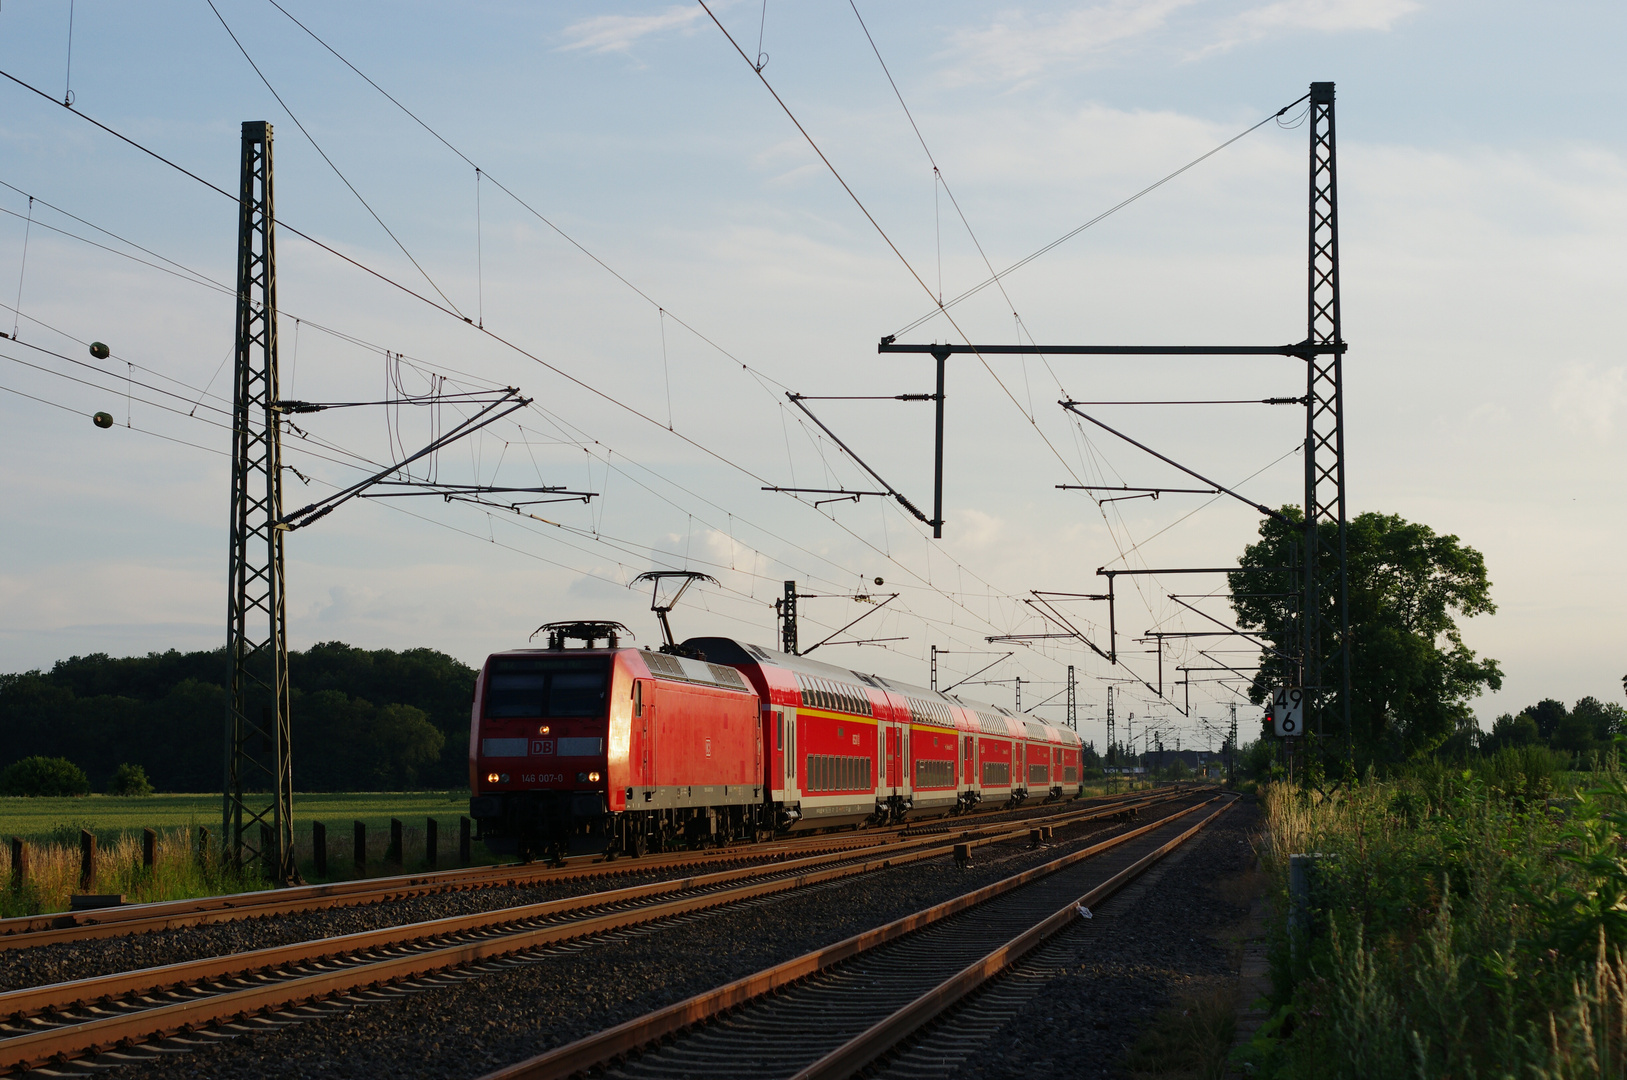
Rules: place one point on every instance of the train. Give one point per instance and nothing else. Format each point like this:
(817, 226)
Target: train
(714, 741)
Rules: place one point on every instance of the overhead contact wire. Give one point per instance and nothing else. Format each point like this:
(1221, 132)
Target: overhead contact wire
(329, 160)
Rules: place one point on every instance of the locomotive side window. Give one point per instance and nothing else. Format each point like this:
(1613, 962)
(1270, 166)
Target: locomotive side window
(547, 686)
(638, 697)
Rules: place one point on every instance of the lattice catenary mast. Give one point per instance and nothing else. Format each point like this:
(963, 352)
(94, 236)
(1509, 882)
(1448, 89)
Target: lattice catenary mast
(257, 809)
(1327, 636)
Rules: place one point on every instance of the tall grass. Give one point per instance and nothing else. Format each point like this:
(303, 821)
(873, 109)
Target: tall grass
(1464, 922)
(177, 872)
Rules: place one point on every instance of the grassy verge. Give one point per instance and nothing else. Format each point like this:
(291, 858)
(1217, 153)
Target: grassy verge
(1461, 922)
(108, 816)
(51, 829)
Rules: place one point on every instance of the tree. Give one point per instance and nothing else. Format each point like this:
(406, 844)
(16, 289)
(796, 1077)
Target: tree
(1411, 674)
(1605, 720)
(1549, 715)
(129, 779)
(43, 776)
(1511, 730)
(1591, 725)
(164, 711)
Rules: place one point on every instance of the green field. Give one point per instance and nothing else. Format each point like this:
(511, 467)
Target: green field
(42, 820)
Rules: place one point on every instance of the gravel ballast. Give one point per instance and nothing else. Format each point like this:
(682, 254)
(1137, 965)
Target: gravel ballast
(41, 965)
(521, 1008)
(1161, 937)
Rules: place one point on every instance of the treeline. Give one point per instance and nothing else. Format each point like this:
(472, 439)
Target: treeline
(361, 719)
(1590, 726)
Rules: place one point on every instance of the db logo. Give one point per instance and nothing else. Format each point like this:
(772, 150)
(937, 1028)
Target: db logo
(542, 746)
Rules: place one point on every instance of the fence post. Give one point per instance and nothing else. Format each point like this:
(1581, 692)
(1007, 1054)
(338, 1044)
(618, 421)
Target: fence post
(463, 841)
(319, 847)
(203, 846)
(360, 838)
(432, 844)
(87, 861)
(1302, 871)
(19, 862)
(268, 857)
(149, 848)
(395, 854)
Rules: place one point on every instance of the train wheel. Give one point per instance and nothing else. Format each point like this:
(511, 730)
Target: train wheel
(638, 845)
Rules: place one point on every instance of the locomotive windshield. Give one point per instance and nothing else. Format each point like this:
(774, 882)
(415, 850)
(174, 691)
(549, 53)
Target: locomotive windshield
(547, 686)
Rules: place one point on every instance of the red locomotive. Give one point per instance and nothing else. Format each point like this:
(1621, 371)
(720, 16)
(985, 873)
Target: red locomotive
(629, 750)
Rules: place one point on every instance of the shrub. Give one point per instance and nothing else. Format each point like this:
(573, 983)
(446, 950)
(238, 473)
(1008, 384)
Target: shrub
(129, 779)
(43, 776)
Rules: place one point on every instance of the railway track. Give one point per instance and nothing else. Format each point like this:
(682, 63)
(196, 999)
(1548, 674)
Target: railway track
(64, 1021)
(33, 930)
(832, 1012)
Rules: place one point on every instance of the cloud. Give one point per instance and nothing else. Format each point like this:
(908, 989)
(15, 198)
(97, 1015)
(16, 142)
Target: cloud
(1587, 400)
(1321, 16)
(1328, 16)
(618, 33)
(1018, 46)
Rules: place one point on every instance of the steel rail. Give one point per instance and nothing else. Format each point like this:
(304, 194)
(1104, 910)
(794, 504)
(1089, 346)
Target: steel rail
(32, 930)
(333, 975)
(855, 1054)
(31, 1001)
(633, 1035)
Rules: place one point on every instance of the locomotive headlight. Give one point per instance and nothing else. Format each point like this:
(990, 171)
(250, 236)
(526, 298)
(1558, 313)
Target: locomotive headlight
(491, 778)
(581, 778)
(543, 730)
(505, 778)
(593, 778)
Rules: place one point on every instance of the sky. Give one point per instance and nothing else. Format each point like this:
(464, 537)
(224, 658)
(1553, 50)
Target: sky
(654, 253)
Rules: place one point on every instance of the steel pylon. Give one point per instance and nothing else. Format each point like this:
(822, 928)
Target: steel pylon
(257, 808)
(1326, 624)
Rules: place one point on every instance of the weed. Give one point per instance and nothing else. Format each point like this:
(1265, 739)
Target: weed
(1189, 1039)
